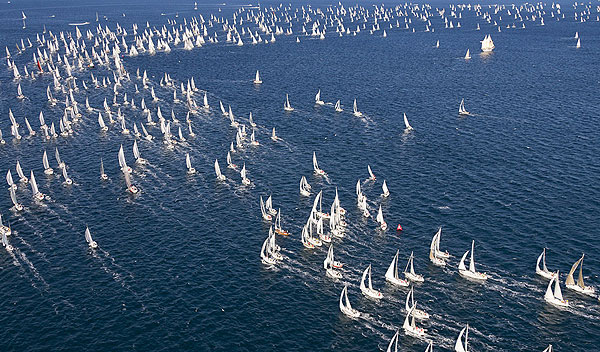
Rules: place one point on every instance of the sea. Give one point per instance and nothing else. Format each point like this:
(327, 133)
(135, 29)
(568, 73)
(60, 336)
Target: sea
(178, 265)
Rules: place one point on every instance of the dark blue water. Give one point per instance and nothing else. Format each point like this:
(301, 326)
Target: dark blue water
(178, 266)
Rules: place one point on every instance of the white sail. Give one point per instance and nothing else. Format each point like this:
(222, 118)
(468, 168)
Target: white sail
(384, 188)
(407, 126)
(459, 346)
(467, 55)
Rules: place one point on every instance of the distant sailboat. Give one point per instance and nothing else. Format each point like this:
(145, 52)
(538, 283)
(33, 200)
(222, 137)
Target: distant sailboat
(13, 197)
(459, 346)
(278, 229)
(103, 176)
(379, 219)
(470, 273)
(407, 126)
(37, 195)
(410, 327)
(245, 180)
(345, 306)
(22, 177)
(304, 187)
(410, 304)
(274, 137)
(220, 176)
(461, 108)
(286, 105)
(371, 174)
(318, 100)
(355, 109)
(391, 275)
(329, 264)
(579, 287)
(188, 164)
(543, 270)
(555, 296)
(316, 168)
(88, 238)
(409, 271)
(265, 214)
(437, 44)
(467, 55)
(578, 45)
(487, 44)
(257, 79)
(367, 289)
(5, 243)
(338, 106)
(384, 188)
(68, 180)
(435, 255)
(393, 345)
(47, 169)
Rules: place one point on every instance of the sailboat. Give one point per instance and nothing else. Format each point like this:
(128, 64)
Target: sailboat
(318, 100)
(471, 273)
(369, 291)
(467, 55)
(579, 286)
(278, 229)
(265, 215)
(407, 126)
(409, 271)
(543, 271)
(316, 168)
(9, 180)
(245, 180)
(338, 106)
(410, 304)
(555, 297)
(410, 327)
(355, 110)
(47, 169)
(188, 164)
(437, 44)
(136, 154)
(487, 44)
(391, 275)
(266, 252)
(286, 105)
(13, 198)
(393, 345)
(220, 176)
(384, 188)
(103, 176)
(274, 137)
(371, 174)
(5, 243)
(37, 195)
(22, 177)
(578, 45)
(68, 180)
(257, 79)
(304, 187)
(89, 240)
(461, 108)
(433, 249)
(345, 306)
(459, 346)
(379, 219)
(329, 264)
(3, 228)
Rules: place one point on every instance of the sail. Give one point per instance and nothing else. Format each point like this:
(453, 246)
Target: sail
(188, 162)
(432, 247)
(88, 236)
(557, 291)
(217, 168)
(34, 187)
(406, 124)
(580, 278)
(9, 178)
(392, 271)
(461, 265)
(472, 262)
(45, 161)
(385, 189)
(570, 280)
(20, 170)
(549, 296)
(315, 163)
(458, 347)
(136, 151)
(380, 216)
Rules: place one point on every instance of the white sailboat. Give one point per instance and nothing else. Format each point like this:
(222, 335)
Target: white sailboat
(220, 176)
(345, 306)
(578, 45)
(384, 188)
(304, 187)
(245, 180)
(5, 243)
(461, 108)
(379, 219)
(22, 177)
(435, 255)
(13, 197)
(393, 345)
(103, 176)
(579, 286)
(286, 105)
(136, 154)
(131, 188)
(318, 100)
(459, 346)
(278, 229)
(274, 137)
(269, 206)
(407, 126)
(391, 275)
(338, 106)
(487, 44)
(265, 215)
(316, 168)
(88, 238)
(410, 327)
(371, 174)
(467, 55)
(257, 79)
(555, 296)
(9, 180)
(37, 195)
(355, 109)
(369, 291)
(543, 270)
(409, 271)
(68, 180)
(411, 304)
(471, 273)
(188, 164)
(47, 169)
(329, 264)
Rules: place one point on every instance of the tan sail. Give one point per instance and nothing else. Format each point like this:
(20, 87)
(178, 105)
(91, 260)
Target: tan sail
(580, 279)
(570, 280)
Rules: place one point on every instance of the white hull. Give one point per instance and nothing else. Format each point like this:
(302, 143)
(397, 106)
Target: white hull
(473, 276)
(397, 282)
(587, 290)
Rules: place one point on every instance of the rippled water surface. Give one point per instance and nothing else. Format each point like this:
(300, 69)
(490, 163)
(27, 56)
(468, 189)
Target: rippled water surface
(178, 266)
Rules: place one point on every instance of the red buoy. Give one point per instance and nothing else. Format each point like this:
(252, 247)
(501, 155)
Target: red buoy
(399, 228)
